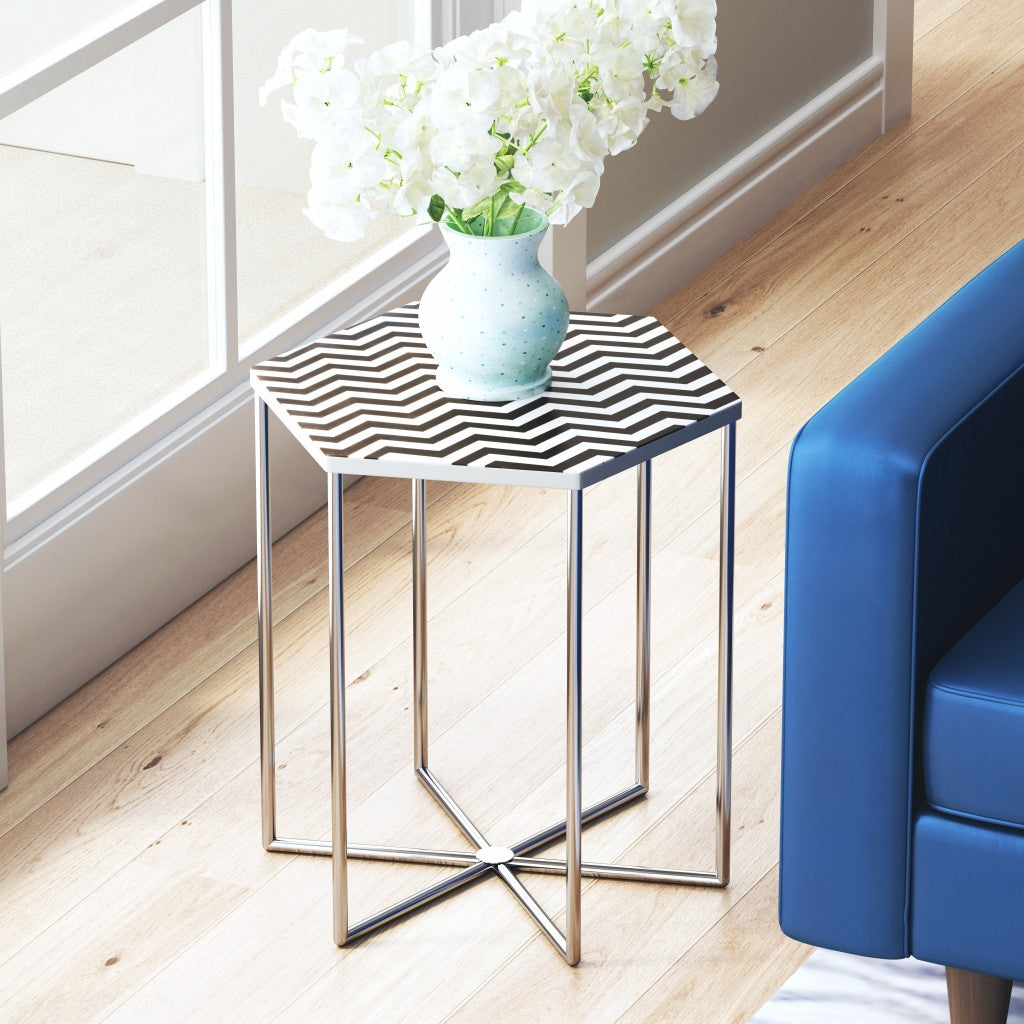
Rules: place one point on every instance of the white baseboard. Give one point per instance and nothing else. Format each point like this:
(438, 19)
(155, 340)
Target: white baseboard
(649, 264)
(193, 494)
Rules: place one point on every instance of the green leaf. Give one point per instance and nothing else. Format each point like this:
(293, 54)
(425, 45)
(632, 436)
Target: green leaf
(508, 223)
(506, 208)
(478, 208)
(505, 227)
(436, 208)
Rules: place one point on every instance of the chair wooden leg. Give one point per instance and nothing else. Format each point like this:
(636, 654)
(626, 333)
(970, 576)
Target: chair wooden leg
(977, 998)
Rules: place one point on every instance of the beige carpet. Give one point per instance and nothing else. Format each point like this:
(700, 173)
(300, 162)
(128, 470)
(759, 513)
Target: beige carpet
(103, 306)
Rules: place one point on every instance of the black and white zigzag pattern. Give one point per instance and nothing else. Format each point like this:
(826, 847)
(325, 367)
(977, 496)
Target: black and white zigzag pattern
(368, 393)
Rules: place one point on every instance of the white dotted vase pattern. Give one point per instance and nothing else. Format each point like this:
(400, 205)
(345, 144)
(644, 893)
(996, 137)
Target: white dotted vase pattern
(494, 318)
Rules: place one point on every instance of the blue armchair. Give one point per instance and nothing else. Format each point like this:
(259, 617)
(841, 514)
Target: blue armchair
(903, 707)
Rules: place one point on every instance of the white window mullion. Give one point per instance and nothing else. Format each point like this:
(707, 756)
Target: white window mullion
(439, 21)
(435, 22)
(476, 14)
(219, 123)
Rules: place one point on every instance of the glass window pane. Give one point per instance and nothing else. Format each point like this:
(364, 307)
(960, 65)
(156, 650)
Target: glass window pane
(103, 290)
(31, 29)
(282, 258)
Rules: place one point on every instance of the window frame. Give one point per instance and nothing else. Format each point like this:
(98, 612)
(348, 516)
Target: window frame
(436, 21)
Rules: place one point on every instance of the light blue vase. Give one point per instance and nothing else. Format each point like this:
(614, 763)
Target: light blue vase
(494, 318)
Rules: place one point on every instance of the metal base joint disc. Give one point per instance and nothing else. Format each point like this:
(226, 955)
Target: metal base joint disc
(494, 855)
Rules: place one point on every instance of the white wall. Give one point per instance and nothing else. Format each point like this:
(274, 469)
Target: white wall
(668, 212)
(773, 58)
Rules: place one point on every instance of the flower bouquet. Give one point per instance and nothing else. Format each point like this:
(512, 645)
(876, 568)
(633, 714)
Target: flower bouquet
(495, 133)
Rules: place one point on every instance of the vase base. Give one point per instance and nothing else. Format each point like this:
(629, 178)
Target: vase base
(458, 387)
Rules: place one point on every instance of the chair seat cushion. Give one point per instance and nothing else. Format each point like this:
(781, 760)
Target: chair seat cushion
(974, 720)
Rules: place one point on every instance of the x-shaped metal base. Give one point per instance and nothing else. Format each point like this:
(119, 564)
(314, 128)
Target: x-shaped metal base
(487, 859)
(502, 861)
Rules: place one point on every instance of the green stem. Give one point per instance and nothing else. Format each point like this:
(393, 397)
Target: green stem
(534, 138)
(515, 222)
(459, 222)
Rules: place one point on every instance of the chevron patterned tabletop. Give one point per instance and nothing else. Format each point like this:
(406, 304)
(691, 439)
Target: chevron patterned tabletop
(623, 390)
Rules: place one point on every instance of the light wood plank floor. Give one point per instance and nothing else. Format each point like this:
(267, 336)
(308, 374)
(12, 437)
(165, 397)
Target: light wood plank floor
(133, 885)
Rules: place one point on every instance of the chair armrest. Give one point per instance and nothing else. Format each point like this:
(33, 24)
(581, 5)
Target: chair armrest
(905, 524)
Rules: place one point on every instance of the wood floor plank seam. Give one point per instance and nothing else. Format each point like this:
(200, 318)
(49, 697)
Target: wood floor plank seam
(680, 528)
(823, 192)
(949, 199)
(668, 671)
(12, 951)
(952, 7)
(690, 981)
(206, 674)
(707, 931)
(316, 711)
(677, 800)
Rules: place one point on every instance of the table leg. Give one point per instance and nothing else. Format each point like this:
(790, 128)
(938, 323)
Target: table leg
(336, 589)
(473, 867)
(419, 623)
(727, 523)
(265, 626)
(574, 728)
(643, 625)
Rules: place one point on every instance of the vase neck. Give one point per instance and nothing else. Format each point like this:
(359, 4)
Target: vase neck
(509, 253)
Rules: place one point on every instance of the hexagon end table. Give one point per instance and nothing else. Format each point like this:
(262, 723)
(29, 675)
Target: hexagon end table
(364, 401)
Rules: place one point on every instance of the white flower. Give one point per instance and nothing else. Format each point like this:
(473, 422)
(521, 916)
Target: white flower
(464, 99)
(344, 222)
(342, 170)
(549, 166)
(694, 93)
(534, 102)
(693, 24)
(325, 104)
(620, 124)
(499, 43)
(579, 195)
(402, 60)
(465, 171)
(412, 136)
(412, 197)
(309, 52)
(461, 151)
(621, 71)
(551, 91)
(585, 140)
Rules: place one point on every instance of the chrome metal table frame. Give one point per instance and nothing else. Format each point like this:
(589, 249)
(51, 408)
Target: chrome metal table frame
(486, 859)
